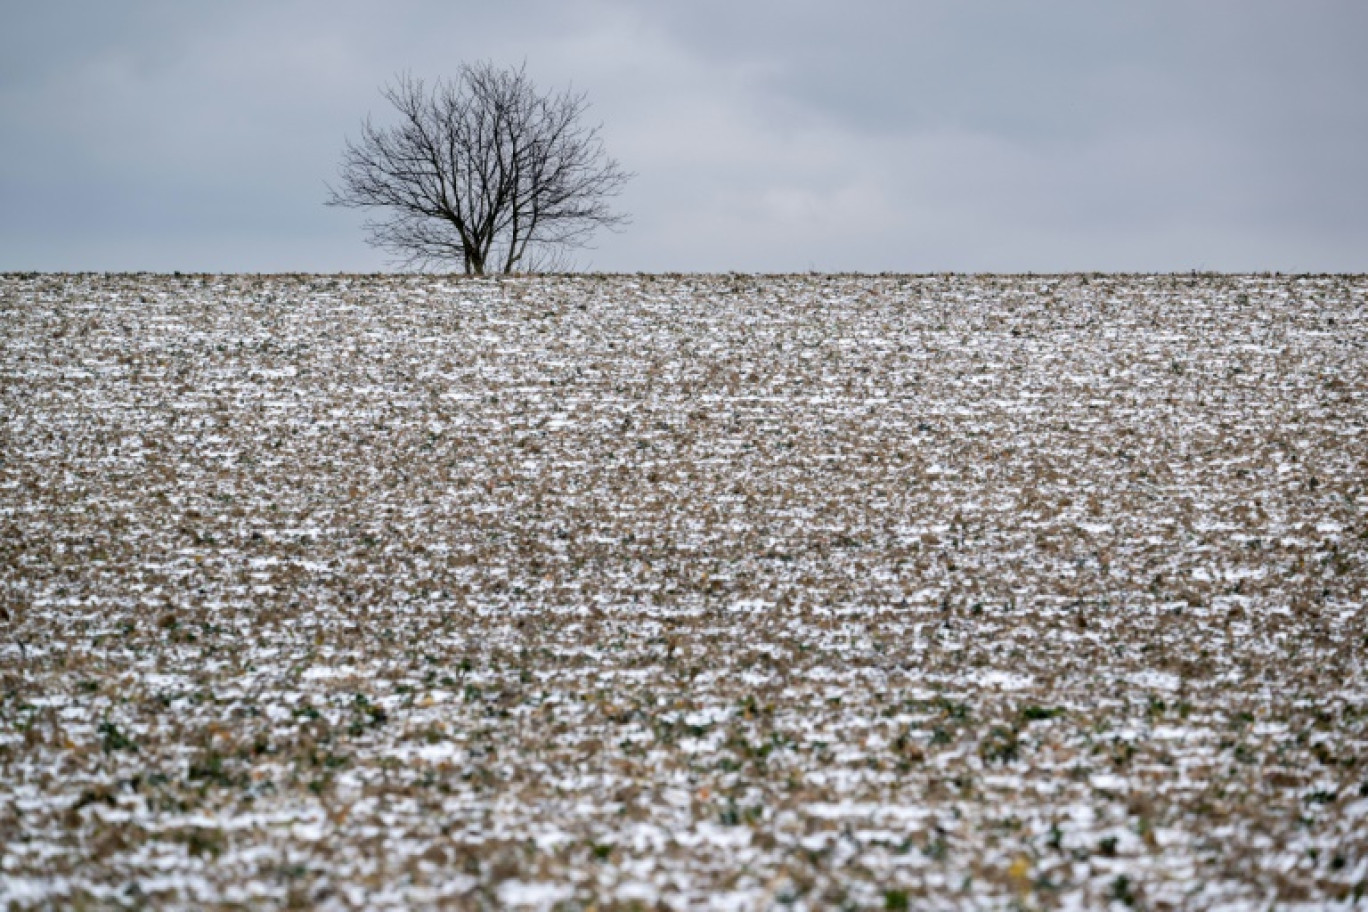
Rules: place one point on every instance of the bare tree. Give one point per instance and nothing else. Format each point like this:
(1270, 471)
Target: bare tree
(483, 170)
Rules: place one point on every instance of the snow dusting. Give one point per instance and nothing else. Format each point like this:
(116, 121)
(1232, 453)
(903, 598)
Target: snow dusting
(683, 592)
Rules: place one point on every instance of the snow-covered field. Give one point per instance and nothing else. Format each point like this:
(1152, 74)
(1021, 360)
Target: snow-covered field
(708, 592)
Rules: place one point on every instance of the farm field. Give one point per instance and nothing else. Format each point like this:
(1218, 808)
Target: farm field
(689, 592)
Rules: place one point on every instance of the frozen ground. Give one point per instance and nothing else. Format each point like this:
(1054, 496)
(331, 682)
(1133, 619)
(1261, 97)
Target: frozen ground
(706, 592)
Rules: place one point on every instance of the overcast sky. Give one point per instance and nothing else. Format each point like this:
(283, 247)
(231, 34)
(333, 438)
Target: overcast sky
(791, 135)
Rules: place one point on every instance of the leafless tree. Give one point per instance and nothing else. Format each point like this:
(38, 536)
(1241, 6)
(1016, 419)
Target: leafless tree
(483, 170)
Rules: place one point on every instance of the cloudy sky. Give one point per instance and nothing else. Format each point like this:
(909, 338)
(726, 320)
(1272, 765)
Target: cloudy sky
(790, 135)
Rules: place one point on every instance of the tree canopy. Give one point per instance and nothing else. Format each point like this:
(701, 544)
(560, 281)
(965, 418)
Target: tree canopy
(482, 170)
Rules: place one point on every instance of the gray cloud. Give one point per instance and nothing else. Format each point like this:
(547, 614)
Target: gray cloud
(766, 135)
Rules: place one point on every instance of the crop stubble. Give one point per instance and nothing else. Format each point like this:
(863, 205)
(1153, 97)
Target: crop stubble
(700, 591)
